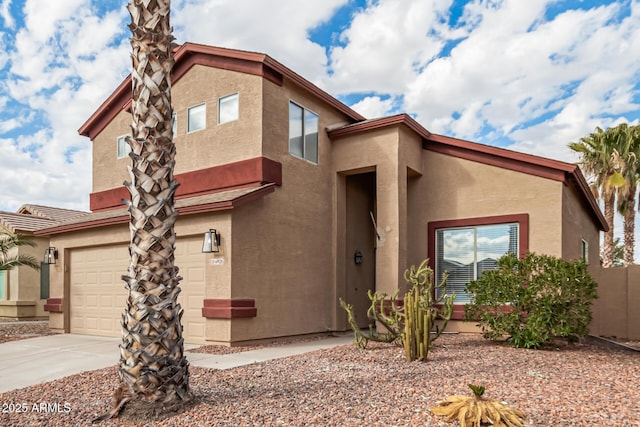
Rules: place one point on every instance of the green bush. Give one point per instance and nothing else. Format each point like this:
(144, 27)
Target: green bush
(533, 300)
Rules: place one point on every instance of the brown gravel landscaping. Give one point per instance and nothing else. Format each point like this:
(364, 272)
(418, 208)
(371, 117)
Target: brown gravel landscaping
(14, 330)
(569, 385)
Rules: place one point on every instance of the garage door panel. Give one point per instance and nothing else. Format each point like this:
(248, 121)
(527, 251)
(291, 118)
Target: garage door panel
(98, 295)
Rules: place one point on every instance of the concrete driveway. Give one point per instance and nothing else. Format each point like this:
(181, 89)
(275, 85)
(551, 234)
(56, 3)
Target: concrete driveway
(36, 360)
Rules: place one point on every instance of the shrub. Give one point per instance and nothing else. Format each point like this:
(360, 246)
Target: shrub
(532, 300)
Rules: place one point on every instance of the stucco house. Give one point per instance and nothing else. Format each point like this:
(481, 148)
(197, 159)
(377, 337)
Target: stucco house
(311, 202)
(23, 290)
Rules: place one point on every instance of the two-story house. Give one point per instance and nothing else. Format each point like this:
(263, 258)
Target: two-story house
(312, 203)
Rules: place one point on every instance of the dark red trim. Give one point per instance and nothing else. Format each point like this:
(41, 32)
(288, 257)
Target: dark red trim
(520, 162)
(501, 158)
(369, 125)
(523, 237)
(190, 54)
(53, 305)
(229, 308)
(245, 173)
(184, 210)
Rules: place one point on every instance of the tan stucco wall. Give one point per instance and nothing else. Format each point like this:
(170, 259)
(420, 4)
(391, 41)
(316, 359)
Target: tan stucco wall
(24, 285)
(577, 225)
(282, 244)
(394, 153)
(454, 188)
(212, 146)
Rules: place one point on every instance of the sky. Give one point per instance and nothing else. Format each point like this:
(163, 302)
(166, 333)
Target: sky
(529, 76)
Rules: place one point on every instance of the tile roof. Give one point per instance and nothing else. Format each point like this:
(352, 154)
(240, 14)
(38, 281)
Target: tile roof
(30, 218)
(19, 223)
(50, 212)
(223, 200)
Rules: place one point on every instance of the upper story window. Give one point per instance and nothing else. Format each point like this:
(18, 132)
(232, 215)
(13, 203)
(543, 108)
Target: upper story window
(228, 109)
(123, 148)
(197, 118)
(466, 252)
(303, 133)
(174, 127)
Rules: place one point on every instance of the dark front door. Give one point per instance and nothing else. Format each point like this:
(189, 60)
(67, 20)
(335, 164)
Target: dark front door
(361, 242)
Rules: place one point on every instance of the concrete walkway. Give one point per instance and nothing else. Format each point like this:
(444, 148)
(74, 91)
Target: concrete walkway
(36, 360)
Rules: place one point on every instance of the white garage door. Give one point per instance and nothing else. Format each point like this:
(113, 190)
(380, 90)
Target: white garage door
(98, 295)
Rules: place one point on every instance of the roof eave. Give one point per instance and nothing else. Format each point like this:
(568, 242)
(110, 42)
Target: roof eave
(122, 95)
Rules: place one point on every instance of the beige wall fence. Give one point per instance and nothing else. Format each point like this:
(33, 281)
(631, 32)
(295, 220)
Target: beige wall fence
(616, 312)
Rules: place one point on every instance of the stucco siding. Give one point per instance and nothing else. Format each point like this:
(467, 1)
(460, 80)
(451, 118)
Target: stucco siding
(454, 188)
(215, 145)
(577, 225)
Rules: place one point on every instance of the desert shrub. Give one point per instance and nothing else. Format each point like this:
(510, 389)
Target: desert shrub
(532, 300)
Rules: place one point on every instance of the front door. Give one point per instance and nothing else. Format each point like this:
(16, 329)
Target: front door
(361, 243)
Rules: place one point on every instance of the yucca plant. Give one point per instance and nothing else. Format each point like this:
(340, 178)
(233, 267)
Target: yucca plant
(478, 411)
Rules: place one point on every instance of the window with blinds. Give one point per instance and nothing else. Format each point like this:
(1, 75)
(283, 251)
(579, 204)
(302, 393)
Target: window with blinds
(466, 252)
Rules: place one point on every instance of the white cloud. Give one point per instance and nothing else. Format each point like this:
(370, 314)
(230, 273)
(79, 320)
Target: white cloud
(373, 106)
(5, 14)
(387, 44)
(278, 28)
(80, 58)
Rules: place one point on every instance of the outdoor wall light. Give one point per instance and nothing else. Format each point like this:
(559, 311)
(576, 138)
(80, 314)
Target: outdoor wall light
(211, 243)
(50, 255)
(358, 257)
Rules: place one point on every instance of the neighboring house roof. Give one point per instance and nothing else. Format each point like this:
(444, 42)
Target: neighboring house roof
(20, 223)
(224, 200)
(49, 212)
(526, 163)
(33, 217)
(190, 54)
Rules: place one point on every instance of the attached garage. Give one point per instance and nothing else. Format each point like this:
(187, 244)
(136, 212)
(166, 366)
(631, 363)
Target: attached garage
(97, 293)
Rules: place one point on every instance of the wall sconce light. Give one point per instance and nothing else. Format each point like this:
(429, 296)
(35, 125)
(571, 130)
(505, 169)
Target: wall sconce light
(358, 257)
(50, 255)
(211, 243)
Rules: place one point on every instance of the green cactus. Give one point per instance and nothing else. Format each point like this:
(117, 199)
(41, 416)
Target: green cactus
(421, 311)
(410, 323)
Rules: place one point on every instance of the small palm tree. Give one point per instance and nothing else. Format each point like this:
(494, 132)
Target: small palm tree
(601, 161)
(9, 258)
(627, 141)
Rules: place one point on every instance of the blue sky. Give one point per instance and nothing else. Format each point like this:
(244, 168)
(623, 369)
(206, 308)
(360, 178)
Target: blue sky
(530, 75)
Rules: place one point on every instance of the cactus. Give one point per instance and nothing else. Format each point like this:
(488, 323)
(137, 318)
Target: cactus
(409, 324)
(421, 312)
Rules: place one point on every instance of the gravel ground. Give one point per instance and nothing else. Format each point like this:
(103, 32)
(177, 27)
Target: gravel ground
(14, 330)
(573, 385)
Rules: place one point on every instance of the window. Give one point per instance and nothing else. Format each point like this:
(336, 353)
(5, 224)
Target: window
(123, 148)
(228, 109)
(197, 118)
(303, 133)
(584, 249)
(44, 280)
(3, 285)
(466, 252)
(174, 126)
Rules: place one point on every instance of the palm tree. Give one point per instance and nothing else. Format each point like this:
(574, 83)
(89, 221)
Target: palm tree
(601, 162)
(627, 141)
(153, 370)
(8, 258)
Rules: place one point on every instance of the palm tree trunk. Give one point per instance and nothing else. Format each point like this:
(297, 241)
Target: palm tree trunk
(629, 227)
(609, 212)
(153, 369)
